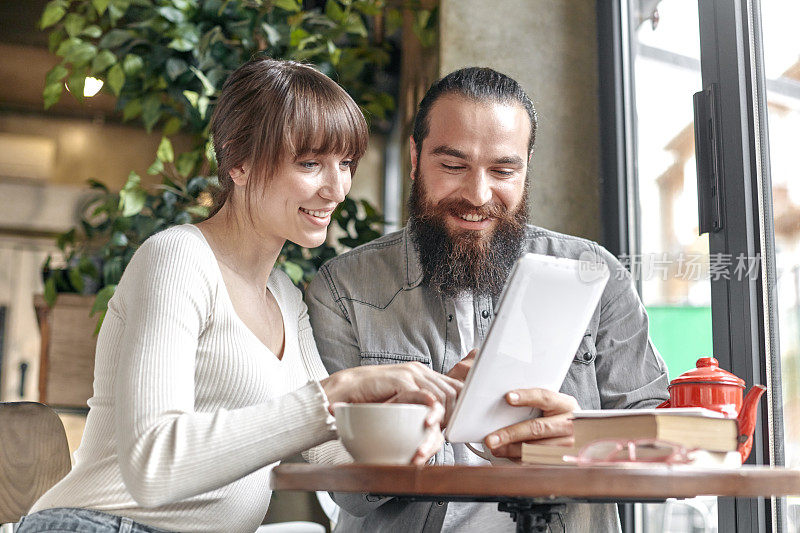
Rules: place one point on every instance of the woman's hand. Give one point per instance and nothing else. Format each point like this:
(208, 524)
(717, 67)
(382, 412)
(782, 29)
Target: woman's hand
(434, 439)
(380, 383)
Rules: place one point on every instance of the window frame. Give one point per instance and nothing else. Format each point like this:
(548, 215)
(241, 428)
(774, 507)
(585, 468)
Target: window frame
(743, 311)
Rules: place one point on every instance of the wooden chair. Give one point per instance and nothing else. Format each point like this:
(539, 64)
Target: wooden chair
(34, 456)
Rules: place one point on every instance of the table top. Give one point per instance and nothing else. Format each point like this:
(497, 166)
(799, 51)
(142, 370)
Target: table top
(546, 482)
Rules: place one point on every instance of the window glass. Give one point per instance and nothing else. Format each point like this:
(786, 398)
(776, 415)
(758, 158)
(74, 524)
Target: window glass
(673, 261)
(781, 46)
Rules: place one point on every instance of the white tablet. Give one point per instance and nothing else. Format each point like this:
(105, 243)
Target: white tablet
(539, 323)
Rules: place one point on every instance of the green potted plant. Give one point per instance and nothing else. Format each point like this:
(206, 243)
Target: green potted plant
(165, 62)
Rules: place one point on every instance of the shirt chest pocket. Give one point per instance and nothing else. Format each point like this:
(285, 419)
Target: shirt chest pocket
(581, 380)
(587, 351)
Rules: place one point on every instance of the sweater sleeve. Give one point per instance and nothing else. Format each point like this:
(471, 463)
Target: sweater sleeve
(168, 451)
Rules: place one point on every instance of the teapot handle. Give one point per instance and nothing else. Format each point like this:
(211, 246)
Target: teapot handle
(663, 404)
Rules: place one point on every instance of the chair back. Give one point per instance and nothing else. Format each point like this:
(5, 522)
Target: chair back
(34, 456)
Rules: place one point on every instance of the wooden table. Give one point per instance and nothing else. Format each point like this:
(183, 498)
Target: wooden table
(530, 492)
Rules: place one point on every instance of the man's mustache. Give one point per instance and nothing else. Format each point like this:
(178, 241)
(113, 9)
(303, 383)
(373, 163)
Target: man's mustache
(459, 206)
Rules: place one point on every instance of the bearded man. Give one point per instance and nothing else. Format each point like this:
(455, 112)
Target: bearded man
(427, 293)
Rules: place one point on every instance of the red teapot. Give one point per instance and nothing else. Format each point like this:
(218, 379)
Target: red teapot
(711, 387)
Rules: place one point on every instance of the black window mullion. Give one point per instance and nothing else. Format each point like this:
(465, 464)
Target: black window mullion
(736, 301)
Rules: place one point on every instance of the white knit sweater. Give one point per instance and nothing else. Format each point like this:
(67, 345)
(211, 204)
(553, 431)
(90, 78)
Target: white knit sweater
(191, 411)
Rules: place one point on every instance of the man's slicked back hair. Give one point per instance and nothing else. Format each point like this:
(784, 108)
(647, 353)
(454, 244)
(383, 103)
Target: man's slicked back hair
(481, 84)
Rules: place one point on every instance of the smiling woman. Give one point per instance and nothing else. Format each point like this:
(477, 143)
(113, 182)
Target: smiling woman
(290, 110)
(206, 370)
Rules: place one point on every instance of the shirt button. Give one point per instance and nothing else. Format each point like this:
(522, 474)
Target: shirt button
(449, 318)
(587, 357)
(485, 313)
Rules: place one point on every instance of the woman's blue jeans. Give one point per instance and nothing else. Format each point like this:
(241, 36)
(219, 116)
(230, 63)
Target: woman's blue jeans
(68, 520)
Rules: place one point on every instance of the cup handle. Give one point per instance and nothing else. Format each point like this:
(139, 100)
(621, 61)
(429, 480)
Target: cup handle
(482, 454)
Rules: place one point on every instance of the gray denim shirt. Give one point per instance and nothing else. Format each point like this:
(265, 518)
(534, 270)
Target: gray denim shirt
(369, 306)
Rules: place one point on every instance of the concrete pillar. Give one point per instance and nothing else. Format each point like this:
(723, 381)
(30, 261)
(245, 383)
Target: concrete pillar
(550, 47)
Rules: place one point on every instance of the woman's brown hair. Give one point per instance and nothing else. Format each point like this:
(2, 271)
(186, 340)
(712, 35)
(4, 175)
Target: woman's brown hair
(270, 110)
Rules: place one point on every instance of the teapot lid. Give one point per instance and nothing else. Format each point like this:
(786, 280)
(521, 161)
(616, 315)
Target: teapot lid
(708, 370)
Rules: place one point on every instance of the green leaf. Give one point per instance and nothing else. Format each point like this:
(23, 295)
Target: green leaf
(64, 47)
(52, 94)
(112, 270)
(75, 279)
(165, 152)
(65, 239)
(334, 11)
(133, 182)
(182, 44)
(208, 87)
(175, 67)
(132, 64)
(100, 320)
(355, 25)
(172, 14)
(93, 32)
(192, 97)
(76, 82)
(293, 270)
(202, 105)
(211, 155)
(131, 202)
(151, 111)
(53, 12)
(367, 7)
(56, 74)
(50, 293)
(117, 9)
(132, 109)
(292, 6)
(116, 38)
(172, 126)
(102, 61)
(102, 298)
(100, 6)
(199, 211)
(116, 79)
(273, 35)
(297, 37)
(156, 168)
(87, 268)
(186, 163)
(74, 23)
(78, 52)
(55, 38)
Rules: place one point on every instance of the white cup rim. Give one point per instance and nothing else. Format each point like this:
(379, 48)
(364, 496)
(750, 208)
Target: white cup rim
(379, 405)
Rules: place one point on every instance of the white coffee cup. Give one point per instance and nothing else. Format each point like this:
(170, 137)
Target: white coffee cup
(381, 433)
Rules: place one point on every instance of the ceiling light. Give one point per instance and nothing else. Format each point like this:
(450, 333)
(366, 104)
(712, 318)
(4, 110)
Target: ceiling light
(92, 87)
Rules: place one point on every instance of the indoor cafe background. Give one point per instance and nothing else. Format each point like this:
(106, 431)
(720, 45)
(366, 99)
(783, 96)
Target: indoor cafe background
(551, 47)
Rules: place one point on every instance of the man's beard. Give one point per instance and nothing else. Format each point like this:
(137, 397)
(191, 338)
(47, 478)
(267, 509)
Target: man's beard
(465, 261)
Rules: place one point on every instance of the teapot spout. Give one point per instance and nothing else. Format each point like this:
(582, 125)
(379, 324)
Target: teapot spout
(747, 420)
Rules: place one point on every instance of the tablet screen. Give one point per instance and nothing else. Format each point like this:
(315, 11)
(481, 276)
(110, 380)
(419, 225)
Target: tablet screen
(540, 321)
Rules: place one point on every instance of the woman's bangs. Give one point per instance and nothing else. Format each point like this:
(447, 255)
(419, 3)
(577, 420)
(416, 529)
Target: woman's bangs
(332, 125)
